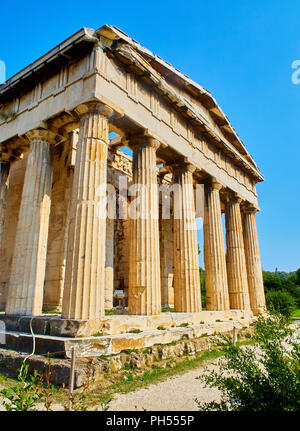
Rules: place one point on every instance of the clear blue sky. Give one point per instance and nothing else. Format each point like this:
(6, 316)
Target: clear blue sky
(241, 51)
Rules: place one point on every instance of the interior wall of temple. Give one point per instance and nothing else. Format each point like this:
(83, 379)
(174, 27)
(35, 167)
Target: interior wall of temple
(166, 262)
(58, 228)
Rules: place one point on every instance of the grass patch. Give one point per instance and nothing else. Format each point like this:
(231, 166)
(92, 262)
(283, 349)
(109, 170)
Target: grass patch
(99, 334)
(131, 351)
(296, 313)
(183, 325)
(7, 382)
(109, 313)
(170, 310)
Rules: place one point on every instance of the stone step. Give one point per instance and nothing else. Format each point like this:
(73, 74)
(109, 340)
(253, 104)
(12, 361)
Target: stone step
(104, 345)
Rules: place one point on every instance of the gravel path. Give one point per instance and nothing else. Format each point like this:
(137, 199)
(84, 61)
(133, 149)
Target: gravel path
(175, 394)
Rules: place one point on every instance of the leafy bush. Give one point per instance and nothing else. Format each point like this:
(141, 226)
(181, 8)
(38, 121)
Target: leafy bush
(282, 302)
(23, 396)
(261, 377)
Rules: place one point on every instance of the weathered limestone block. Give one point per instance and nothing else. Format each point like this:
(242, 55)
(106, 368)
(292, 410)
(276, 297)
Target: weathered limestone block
(144, 295)
(253, 262)
(235, 256)
(25, 294)
(187, 293)
(137, 361)
(116, 363)
(83, 296)
(216, 284)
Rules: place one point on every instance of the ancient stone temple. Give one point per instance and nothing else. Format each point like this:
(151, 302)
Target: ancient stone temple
(71, 240)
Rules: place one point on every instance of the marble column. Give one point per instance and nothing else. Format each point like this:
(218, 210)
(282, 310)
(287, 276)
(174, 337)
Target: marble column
(187, 292)
(253, 261)
(217, 297)
(144, 295)
(83, 296)
(235, 255)
(109, 264)
(25, 291)
(4, 172)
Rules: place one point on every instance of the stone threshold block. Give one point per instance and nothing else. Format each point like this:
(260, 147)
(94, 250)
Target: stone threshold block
(116, 324)
(106, 345)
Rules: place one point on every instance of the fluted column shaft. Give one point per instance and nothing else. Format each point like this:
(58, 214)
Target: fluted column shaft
(4, 172)
(253, 261)
(235, 256)
(187, 292)
(217, 297)
(83, 296)
(144, 295)
(25, 293)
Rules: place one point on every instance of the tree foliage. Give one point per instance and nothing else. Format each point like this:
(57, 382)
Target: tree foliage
(282, 302)
(289, 284)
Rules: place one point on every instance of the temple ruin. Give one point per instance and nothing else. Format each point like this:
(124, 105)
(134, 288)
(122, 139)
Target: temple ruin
(64, 122)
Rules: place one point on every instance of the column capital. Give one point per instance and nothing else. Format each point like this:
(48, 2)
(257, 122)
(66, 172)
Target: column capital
(142, 140)
(45, 135)
(212, 184)
(248, 207)
(181, 165)
(233, 197)
(94, 107)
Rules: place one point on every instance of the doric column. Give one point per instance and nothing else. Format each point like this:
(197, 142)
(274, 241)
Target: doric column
(235, 256)
(109, 264)
(217, 297)
(83, 296)
(25, 292)
(144, 296)
(4, 172)
(187, 292)
(253, 262)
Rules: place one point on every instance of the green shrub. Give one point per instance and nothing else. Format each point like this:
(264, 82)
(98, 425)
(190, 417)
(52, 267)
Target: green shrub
(282, 302)
(261, 377)
(23, 396)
